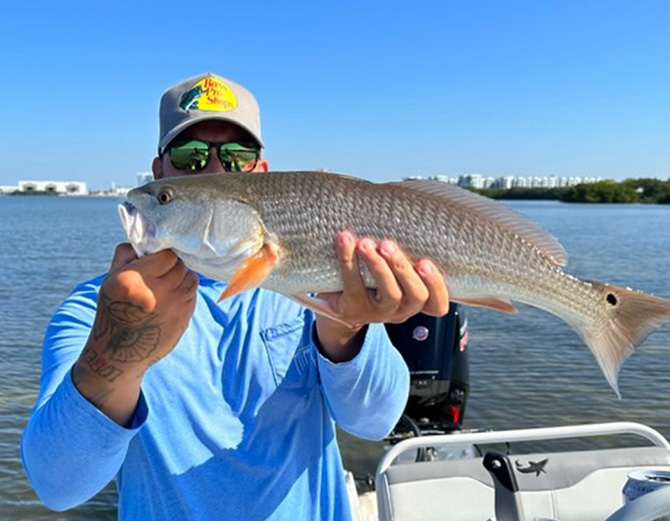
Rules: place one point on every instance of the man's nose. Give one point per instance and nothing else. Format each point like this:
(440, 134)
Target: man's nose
(214, 165)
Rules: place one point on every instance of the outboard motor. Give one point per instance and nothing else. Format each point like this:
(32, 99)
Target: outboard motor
(435, 350)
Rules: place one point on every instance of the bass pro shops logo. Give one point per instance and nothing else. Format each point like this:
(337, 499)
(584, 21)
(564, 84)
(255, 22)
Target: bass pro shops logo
(533, 466)
(209, 94)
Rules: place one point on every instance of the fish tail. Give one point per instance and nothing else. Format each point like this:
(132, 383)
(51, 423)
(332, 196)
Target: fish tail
(629, 317)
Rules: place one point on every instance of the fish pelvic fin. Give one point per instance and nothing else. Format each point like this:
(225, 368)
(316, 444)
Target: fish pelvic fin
(494, 303)
(321, 307)
(253, 271)
(631, 317)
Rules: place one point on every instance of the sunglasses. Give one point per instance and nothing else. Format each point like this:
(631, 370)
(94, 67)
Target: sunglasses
(193, 155)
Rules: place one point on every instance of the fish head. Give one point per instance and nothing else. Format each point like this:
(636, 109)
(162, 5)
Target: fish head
(212, 231)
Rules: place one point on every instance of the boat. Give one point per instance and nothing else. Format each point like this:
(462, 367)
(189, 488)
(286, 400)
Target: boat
(433, 469)
(582, 485)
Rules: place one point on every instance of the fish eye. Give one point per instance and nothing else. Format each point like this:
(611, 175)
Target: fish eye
(164, 196)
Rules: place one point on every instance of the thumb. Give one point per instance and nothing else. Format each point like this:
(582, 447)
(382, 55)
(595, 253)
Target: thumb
(124, 254)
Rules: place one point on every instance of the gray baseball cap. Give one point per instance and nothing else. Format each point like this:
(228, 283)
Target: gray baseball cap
(207, 97)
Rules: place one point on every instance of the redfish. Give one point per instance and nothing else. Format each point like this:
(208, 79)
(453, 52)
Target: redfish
(277, 231)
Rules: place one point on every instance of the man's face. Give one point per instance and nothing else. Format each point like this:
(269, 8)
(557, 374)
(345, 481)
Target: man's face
(213, 131)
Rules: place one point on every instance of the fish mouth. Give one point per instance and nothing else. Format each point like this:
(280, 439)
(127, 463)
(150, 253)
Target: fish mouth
(139, 230)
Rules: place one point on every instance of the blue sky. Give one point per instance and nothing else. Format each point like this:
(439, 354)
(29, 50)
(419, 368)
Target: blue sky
(379, 90)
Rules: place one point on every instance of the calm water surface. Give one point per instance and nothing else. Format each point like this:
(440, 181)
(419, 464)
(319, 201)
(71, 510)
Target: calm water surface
(527, 370)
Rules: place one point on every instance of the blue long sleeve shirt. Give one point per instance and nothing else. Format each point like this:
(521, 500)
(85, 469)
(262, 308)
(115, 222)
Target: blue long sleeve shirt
(237, 422)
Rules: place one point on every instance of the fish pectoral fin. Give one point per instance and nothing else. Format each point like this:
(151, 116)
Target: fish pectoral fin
(488, 302)
(252, 272)
(321, 307)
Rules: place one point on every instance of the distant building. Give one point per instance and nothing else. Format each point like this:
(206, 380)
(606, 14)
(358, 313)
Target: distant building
(56, 187)
(113, 191)
(446, 179)
(479, 181)
(8, 189)
(441, 178)
(471, 181)
(144, 178)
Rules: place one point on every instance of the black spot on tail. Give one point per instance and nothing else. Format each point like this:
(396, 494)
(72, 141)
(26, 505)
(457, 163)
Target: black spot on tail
(611, 298)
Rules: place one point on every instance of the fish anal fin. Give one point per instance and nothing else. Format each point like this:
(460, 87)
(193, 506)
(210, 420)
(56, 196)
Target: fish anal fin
(488, 302)
(319, 306)
(252, 272)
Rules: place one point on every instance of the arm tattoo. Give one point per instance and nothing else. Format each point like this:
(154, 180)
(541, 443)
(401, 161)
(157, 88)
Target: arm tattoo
(132, 337)
(98, 364)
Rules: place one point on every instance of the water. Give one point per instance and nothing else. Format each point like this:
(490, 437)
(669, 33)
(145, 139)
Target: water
(527, 370)
(47, 246)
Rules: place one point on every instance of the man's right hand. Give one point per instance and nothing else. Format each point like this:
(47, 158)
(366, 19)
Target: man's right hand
(144, 307)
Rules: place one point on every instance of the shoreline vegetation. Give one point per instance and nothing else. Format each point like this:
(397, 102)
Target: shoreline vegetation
(645, 191)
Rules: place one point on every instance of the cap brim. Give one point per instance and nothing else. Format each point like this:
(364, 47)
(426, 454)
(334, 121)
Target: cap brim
(204, 117)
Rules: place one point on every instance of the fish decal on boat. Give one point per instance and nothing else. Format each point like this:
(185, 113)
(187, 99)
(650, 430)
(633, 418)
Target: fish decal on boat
(533, 466)
(277, 231)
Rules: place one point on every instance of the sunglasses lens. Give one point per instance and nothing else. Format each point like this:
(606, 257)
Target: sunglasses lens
(236, 157)
(189, 155)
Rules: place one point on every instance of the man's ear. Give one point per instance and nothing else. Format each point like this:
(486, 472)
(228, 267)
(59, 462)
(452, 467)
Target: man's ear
(157, 167)
(262, 166)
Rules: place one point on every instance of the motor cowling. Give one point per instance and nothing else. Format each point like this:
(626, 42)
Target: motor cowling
(435, 350)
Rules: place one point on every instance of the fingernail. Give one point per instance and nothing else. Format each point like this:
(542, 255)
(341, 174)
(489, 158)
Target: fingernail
(425, 268)
(388, 248)
(367, 244)
(345, 238)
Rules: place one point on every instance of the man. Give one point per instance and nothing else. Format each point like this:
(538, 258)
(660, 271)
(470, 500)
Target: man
(203, 410)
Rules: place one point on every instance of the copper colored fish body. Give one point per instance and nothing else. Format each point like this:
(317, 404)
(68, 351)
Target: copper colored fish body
(277, 230)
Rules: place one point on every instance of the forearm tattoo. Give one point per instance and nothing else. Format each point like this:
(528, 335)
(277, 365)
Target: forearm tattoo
(132, 336)
(98, 364)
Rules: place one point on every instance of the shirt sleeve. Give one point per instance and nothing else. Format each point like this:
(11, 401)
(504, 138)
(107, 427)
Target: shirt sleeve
(71, 450)
(367, 394)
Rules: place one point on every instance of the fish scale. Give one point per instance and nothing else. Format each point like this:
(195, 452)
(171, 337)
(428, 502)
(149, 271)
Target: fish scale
(470, 268)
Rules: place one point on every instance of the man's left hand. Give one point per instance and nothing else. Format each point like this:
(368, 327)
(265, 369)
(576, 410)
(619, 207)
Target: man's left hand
(403, 290)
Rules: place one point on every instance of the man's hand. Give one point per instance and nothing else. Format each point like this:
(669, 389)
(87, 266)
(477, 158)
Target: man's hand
(403, 290)
(144, 306)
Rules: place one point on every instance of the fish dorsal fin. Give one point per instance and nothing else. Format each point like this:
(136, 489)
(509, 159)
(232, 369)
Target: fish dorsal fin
(519, 224)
